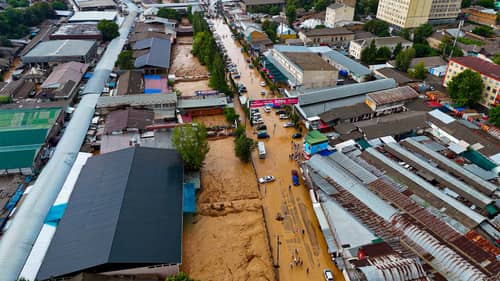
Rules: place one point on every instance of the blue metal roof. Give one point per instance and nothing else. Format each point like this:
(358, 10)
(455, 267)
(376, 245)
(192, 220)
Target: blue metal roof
(350, 64)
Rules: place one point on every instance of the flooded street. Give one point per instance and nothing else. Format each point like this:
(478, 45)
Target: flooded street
(226, 240)
(299, 232)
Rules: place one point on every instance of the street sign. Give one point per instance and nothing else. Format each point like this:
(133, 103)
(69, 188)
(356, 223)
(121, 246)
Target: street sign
(275, 102)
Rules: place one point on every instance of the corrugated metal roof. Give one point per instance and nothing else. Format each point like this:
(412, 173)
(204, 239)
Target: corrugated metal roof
(441, 116)
(348, 63)
(132, 100)
(158, 55)
(336, 172)
(460, 187)
(200, 103)
(134, 193)
(354, 168)
(320, 95)
(480, 172)
(477, 218)
(452, 165)
(61, 48)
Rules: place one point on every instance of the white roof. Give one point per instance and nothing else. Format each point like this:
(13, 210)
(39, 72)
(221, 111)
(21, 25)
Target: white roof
(94, 16)
(347, 228)
(443, 117)
(495, 158)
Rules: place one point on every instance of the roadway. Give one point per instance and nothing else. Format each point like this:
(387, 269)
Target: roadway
(299, 232)
(16, 244)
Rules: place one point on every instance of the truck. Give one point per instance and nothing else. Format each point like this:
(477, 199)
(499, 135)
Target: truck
(262, 149)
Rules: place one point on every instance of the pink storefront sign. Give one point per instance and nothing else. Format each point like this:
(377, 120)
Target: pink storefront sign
(274, 102)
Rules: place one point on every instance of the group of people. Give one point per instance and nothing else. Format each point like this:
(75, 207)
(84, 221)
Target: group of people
(295, 153)
(297, 261)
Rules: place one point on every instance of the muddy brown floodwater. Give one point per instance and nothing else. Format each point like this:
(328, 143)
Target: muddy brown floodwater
(226, 240)
(191, 75)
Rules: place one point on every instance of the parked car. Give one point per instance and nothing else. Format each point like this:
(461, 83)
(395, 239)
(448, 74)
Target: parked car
(266, 179)
(267, 109)
(263, 135)
(263, 93)
(288, 124)
(295, 177)
(250, 66)
(256, 114)
(262, 127)
(258, 121)
(328, 275)
(263, 84)
(248, 60)
(236, 76)
(296, 136)
(279, 112)
(283, 116)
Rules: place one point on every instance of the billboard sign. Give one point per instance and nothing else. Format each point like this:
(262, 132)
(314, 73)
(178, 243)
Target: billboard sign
(275, 102)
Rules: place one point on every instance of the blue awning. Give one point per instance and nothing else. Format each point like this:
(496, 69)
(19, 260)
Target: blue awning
(189, 198)
(55, 214)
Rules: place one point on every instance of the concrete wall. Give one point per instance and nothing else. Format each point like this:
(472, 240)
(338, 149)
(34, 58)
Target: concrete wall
(405, 14)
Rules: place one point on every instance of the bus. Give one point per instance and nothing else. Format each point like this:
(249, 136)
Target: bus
(262, 150)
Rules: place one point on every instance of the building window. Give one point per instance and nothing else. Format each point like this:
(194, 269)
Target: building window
(488, 88)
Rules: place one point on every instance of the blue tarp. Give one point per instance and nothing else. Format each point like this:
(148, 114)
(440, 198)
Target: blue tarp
(14, 199)
(88, 75)
(152, 91)
(112, 84)
(189, 198)
(325, 153)
(152, 77)
(55, 214)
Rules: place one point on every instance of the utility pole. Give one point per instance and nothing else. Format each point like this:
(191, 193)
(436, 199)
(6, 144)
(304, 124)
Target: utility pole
(461, 18)
(278, 243)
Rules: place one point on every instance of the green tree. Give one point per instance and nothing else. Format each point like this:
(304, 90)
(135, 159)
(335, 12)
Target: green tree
(191, 142)
(320, 5)
(446, 47)
(180, 277)
(218, 76)
(465, 88)
(59, 5)
(405, 33)
(484, 31)
(423, 50)
(274, 10)
(403, 59)
(125, 60)
(422, 32)
(366, 7)
(291, 13)
(18, 3)
(496, 58)
(243, 147)
(230, 115)
(5, 99)
(419, 71)
(466, 3)
(378, 27)
(397, 49)
(4, 41)
(269, 27)
(239, 131)
(109, 29)
(383, 54)
(168, 13)
(494, 115)
(486, 3)
(369, 55)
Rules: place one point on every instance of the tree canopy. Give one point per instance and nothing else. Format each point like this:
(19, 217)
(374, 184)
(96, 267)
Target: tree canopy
(496, 58)
(191, 142)
(378, 27)
(230, 115)
(59, 5)
(422, 32)
(465, 88)
(366, 7)
(168, 13)
(486, 3)
(291, 13)
(320, 5)
(372, 55)
(494, 116)
(14, 22)
(484, 31)
(403, 59)
(446, 47)
(243, 147)
(270, 27)
(125, 60)
(109, 29)
(419, 71)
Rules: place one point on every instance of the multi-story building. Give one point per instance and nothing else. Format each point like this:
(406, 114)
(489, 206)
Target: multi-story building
(490, 73)
(481, 15)
(337, 12)
(338, 37)
(412, 13)
(303, 69)
(357, 46)
(404, 13)
(444, 10)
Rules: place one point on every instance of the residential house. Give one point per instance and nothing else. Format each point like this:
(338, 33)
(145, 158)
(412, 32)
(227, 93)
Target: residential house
(338, 37)
(63, 81)
(357, 46)
(337, 12)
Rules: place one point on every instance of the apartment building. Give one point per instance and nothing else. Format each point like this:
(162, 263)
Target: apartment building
(444, 10)
(412, 13)
(490, 73)
(338, 37)
(336, 13)
(481, 15)
(404, 13)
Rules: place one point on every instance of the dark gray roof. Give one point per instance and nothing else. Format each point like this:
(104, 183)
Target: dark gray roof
(158, 55)
(125, 212)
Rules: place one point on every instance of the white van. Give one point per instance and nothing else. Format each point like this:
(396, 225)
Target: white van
(262, 149)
